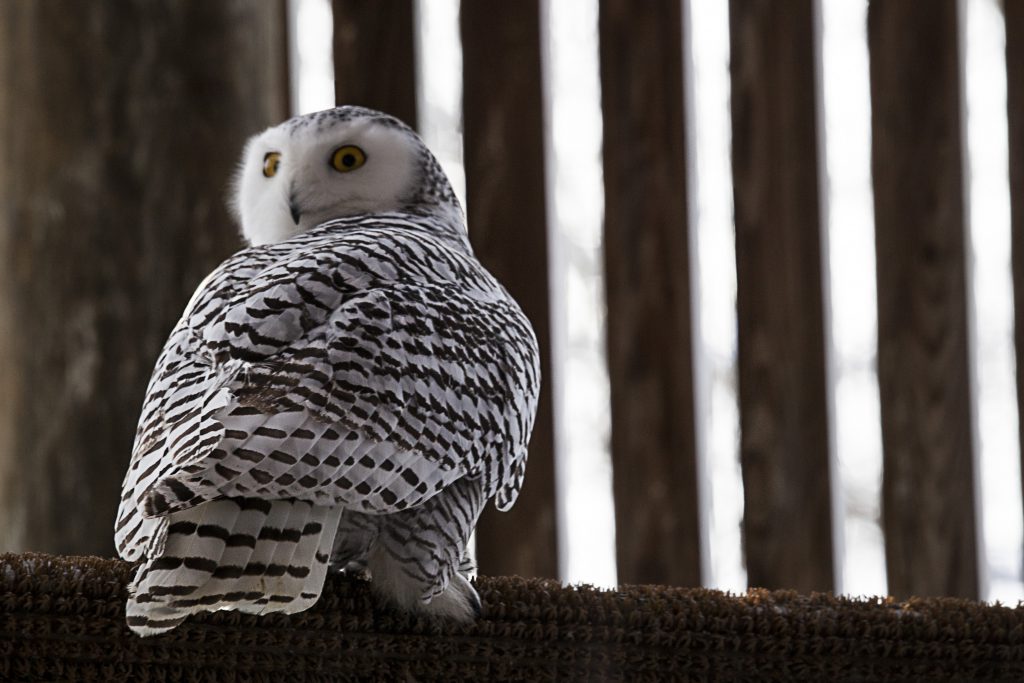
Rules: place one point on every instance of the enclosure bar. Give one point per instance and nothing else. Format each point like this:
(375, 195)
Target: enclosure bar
(784, 416)
(647, 277)
(505, 188)
(284, 56)
(374, 56)
(917, 161)
(1014, 17)
(120, 140)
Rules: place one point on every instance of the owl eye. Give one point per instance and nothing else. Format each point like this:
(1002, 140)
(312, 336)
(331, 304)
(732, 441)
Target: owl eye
(347, 158)
(270, 164)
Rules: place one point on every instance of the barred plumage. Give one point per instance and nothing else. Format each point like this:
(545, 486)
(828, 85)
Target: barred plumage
(348, 391)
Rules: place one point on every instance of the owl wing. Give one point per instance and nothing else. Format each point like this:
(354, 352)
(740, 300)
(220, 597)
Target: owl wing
(341, 386)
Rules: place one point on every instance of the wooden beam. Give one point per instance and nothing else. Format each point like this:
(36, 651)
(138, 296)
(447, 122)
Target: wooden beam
(647, 277)
(285, 55)
(505, 188)
(1014, 15)
(122, 126)
(375, 56)
(917, 160)
(784, 416)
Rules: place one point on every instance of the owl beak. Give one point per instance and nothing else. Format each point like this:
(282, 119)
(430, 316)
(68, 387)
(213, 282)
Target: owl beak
(294, 209)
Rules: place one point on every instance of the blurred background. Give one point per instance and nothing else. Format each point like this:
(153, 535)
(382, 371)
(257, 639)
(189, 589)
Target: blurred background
(682, 195)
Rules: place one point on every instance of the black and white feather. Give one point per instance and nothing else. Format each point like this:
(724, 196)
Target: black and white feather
(349, 391)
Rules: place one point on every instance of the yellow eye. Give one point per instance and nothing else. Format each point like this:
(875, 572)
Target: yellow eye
(347, 158)
(270, 163)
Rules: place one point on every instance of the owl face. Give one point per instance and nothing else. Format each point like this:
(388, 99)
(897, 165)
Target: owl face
(311, 169)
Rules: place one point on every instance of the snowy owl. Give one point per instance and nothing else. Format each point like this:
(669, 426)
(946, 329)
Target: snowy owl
(346, 392)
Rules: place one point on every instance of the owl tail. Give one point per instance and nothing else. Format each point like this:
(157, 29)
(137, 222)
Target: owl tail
(252, 555)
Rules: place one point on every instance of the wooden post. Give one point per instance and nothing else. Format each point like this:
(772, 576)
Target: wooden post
(504, 143)
(1014, 14)
(375, 56)
(917, 160)
(784, 416)
(121, 126)
(647, 277)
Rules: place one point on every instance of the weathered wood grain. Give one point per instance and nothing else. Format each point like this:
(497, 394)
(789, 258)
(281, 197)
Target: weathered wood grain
(375, 56)
(784, 416)
(647, 278)
(505, 187)
(121, 126)
(917, 161)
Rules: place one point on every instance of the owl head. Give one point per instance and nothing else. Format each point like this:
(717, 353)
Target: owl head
(334, 163)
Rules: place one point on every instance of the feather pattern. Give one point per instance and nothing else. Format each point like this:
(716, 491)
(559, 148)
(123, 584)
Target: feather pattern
(367, 374)
(350, 390)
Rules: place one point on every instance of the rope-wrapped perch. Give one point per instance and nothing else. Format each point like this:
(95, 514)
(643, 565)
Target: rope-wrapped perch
(62, 618)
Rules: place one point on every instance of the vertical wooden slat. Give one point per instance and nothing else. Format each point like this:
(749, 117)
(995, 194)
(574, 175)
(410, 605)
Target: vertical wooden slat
(784, 413)
(647, 275)
(375, 56)
(1014, 14)
(917, 161)
(504, 157)
(121, 125)
(286, 54)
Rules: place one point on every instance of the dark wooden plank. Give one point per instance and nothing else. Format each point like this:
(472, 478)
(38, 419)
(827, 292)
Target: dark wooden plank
(122, 125)
(647, 278)
(1014, 14)
(917, 161)
(285, 53)
(504, 157)
(785, 440)
(375, 56)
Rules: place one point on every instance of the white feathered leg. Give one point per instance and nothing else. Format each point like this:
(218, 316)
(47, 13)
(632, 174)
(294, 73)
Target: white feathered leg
(416, 558)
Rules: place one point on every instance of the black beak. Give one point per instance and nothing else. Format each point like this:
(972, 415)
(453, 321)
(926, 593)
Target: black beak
(296, 214)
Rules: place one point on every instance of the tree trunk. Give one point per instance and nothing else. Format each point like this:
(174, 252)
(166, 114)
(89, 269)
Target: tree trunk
(121, 124)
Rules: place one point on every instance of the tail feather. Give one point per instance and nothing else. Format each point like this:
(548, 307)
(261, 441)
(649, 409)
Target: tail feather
(251, 555)
(240, 545)
(253, 581)
(281, 584)
(319, 546)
